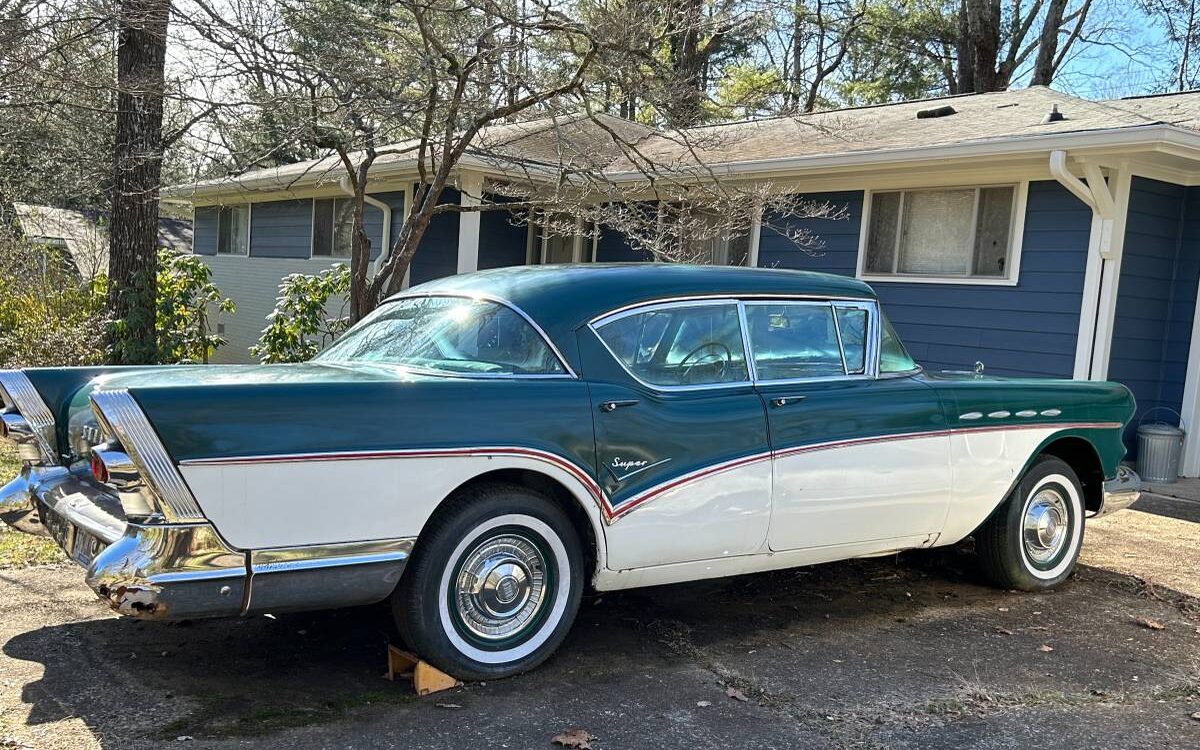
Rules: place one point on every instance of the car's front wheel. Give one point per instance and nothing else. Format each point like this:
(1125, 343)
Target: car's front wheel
(1032, 541)
(493, 585)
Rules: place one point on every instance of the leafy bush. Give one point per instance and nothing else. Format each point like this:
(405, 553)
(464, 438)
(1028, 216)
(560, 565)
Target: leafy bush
(48, 315)
(300, 325)
(185, 295)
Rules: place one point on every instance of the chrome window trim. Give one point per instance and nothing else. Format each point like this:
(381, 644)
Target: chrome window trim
(122, 418)
(486, 297)
(19, 394)
(871, 356)
(739, 297)
(613, 317)
(874, 332)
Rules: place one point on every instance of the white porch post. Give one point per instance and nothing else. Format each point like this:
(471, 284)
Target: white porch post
(1190, 465)
(470, 186)
(1109, 201)
(1106, 312)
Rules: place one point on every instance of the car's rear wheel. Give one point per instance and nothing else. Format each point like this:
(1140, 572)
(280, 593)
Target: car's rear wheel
(1032, 541)
(493, 585)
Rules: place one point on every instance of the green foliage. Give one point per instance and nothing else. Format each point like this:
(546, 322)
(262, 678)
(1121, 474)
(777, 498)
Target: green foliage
(301, 325)
(185, 296)
(745, 91)
(48, 314)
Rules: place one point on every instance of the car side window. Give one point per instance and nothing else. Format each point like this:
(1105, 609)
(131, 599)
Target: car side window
(852, 325)
(680, 345)
(893, 357)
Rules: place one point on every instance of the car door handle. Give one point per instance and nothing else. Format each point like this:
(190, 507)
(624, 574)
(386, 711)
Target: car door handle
(779, 401)
(607, 406)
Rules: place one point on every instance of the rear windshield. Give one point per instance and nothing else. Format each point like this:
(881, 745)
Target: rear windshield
(447, 334)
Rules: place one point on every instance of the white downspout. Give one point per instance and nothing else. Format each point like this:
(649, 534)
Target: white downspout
(386, 240)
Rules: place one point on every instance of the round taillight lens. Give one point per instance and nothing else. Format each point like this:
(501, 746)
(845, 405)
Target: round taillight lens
(99, 470)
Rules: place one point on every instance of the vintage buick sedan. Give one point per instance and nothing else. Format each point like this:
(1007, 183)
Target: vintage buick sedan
(481, 449)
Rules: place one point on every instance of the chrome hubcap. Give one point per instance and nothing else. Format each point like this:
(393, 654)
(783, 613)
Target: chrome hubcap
(500, 587)
(1045, 526)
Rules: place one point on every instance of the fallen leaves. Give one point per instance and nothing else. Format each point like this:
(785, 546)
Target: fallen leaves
(1045, 647)
(578, 739)
(737, 695)
(1003, 631)
(1149, 624)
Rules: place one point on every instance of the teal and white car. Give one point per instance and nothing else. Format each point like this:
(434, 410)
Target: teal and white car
(482, 449)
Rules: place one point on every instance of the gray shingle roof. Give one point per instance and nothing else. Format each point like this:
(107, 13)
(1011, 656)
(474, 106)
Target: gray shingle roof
(580, 142)
(977, 117)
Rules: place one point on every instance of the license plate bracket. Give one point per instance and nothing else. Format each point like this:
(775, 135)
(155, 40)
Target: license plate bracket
(85, 547)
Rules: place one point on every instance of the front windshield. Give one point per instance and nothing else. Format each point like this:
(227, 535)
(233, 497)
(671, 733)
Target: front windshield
(447, 334)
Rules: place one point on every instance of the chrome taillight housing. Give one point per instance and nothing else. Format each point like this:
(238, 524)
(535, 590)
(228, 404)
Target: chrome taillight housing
(137, 465)
(111, 465)
(27, 421)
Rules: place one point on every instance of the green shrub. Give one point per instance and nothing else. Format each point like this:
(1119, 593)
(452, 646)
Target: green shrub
(300, 325)
(186, 294)
(48, 315)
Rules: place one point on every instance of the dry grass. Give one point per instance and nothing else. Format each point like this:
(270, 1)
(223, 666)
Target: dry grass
(19, 550)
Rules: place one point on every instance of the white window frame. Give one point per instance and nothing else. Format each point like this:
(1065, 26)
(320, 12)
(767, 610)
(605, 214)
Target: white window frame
(1016, 232)
(249, 222)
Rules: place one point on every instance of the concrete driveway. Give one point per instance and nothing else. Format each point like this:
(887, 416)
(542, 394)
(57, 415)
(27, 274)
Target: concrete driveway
(896, 652)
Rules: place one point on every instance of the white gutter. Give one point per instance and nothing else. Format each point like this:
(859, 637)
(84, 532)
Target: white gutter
(386, 240)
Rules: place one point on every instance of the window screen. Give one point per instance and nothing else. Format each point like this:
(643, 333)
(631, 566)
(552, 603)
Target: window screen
(963, 232)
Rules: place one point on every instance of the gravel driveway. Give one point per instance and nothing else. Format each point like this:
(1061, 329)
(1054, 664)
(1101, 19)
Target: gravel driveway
(894, 652)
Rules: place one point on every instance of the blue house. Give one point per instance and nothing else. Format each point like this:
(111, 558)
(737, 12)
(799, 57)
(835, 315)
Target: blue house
(1032, 231)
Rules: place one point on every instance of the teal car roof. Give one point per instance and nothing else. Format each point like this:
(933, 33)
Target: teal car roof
(560, 298)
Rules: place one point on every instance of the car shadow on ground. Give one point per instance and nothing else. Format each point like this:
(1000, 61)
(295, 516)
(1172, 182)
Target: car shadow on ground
(889, 635)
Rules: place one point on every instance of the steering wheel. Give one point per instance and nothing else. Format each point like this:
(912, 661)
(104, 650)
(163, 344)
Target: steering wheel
(708, 353)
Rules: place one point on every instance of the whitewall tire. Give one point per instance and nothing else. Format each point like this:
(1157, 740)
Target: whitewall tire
(1032, 541)
(493, 585)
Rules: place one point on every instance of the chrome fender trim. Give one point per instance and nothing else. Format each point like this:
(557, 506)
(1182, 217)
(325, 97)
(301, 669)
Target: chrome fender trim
(1120, 492)
(325, 576)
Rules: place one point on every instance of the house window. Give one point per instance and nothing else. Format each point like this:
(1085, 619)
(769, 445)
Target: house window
(958, 233)
(705, 237)
(233, 230)
(333, 227)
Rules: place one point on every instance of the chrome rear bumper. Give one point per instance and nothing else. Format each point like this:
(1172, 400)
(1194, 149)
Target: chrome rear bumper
(1120, 492)
(187, 571)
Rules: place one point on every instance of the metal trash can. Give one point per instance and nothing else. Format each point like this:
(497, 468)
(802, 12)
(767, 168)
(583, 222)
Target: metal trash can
(1159, 447)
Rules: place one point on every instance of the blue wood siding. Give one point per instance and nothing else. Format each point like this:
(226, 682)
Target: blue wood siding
(1027, 329)
(437, 254)
(281, 229)
(1156, 297)
(835, 245)
(503, 237)
(204, 238)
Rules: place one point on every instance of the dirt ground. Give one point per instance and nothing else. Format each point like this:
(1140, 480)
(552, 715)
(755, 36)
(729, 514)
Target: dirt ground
(909, 651)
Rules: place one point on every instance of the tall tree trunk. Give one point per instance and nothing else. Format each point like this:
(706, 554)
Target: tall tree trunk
(137, 170)
(1043, 67)
(964, 52)
(687, 88)
(983, 27)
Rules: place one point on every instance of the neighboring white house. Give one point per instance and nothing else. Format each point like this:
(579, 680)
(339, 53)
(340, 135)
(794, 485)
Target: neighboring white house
(83, 237)
(1037, 232)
